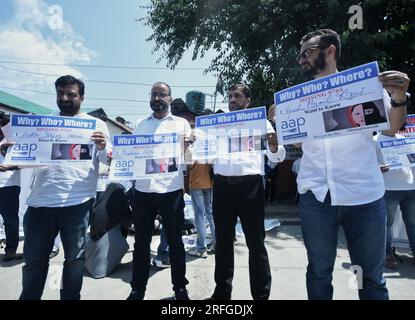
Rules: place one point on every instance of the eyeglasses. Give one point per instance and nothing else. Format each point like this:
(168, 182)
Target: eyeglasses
(307, 52)
(159, 94)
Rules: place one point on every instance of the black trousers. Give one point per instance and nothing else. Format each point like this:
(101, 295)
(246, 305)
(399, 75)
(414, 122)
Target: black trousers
(243, 197)
(9, 210)
(170, 206)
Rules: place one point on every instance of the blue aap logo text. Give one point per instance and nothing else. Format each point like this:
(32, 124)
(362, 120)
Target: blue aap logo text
(124, 166)
(24, 149)
(293, 125)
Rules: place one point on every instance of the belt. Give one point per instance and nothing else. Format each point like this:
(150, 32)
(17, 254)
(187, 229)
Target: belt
(237, 179)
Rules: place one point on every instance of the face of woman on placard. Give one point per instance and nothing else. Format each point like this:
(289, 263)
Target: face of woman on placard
(358, 115)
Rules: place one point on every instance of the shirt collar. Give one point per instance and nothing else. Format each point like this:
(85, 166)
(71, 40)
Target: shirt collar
(168, 116)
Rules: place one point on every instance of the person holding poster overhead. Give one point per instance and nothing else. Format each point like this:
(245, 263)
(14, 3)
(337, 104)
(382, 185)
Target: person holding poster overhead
(340, 183)
(238, 190)
(59, 202)
(163, 194)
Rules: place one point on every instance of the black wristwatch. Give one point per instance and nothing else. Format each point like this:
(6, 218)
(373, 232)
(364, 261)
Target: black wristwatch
(406, 103)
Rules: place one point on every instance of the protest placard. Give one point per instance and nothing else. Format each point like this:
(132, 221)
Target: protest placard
(409, 130)
(399, 152)
(225, 135)
(49, 140)
(292, 152)
(145, 156)
(343, 103)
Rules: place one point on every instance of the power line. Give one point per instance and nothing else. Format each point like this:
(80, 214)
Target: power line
(87, 98)
(51, 94)
(101, 66)
(104, 81)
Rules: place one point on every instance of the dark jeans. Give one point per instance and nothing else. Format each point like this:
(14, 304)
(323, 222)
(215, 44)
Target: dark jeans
(243, 197)
(365, 230)
(41, 226)
(9, 209)
(170, 206)
(405, 199)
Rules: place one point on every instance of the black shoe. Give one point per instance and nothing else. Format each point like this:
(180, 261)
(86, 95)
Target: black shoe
(9, 256)
(54, 253)
(136, 295)
(181, 294)
(215, 296)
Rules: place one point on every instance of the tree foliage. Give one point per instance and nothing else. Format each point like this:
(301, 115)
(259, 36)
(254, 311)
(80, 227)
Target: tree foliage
(257, 40)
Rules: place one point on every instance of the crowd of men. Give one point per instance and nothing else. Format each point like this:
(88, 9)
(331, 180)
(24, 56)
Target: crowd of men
(339, 183)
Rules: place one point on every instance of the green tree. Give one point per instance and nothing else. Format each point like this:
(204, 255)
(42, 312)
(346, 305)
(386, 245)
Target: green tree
(257, 40)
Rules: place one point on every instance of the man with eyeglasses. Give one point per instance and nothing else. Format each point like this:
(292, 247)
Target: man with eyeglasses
(163, 195)
(340, 183)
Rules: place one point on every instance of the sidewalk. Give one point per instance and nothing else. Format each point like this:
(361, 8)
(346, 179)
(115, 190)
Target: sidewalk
(288, 265)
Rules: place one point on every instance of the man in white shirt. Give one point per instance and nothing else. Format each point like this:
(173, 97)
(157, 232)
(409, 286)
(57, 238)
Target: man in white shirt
(59, 202)
(238, 190)
(9, 201)
(400, 191)
(163, 194)
(340, 183)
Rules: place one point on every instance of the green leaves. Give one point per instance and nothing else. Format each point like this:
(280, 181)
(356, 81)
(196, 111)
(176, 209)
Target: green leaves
(257, 40)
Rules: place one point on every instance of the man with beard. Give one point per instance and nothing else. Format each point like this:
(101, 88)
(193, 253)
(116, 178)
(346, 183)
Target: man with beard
(340, 183)
(163, 195)
(59, 202)
(238, 190)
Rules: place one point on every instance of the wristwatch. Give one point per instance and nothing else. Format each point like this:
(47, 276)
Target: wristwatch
(406, 103)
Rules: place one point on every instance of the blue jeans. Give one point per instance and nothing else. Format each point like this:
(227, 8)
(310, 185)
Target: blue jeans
(365, 230)
(202, 206)
(406, 201)
(9, 209)
(41, 226)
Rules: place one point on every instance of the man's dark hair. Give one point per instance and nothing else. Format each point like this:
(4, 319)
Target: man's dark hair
(69, 80)
(327, 38)
(4, 119)
(240, 86)
(158, 84)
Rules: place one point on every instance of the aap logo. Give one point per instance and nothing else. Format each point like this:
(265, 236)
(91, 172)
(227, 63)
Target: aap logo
(208, 146)
(24, 149)
(123, 167)
(292, 126)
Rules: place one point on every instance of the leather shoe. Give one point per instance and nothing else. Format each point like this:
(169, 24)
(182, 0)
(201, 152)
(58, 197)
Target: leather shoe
(9, 256)
(136, 295)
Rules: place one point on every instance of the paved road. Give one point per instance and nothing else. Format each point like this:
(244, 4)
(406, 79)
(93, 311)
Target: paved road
(288, 263)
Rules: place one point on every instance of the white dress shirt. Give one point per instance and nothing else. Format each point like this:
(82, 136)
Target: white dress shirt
(248, 163)
(346, 165)
(395, 179)
(69, 184)
(9, 178)
(168, 124)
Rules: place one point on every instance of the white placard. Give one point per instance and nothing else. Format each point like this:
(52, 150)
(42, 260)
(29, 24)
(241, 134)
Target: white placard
(223, 135)
(49, 140)
(398, 152)
(145, 156)
(343, 103)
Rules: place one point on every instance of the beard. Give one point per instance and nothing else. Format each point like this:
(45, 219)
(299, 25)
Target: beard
(68, 107)
(159, 106)
(318, 64)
